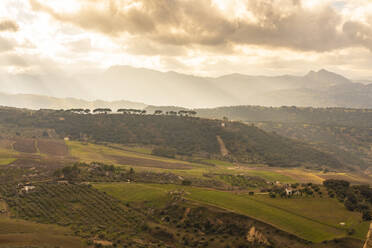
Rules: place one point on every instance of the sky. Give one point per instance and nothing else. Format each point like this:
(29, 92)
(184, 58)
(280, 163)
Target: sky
(200, 37)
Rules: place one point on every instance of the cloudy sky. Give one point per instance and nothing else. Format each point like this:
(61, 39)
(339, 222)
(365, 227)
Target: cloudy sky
(201, 37)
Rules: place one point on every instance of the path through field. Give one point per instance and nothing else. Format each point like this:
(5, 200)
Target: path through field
(368, 243)
(224, 151)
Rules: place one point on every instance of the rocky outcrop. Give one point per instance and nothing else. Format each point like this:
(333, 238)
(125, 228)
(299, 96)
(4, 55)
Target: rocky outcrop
(255, 237)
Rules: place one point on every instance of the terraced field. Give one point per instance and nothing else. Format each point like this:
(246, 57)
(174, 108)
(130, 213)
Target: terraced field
(296, 216)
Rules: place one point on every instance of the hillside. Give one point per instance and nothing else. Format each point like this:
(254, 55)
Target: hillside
(329, 116)
(184, 135)
(346, 133)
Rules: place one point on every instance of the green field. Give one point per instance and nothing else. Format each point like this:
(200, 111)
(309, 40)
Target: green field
(312, 219)
(271, 176)
(6, 161)
(136, 193)
(7, 156)
(88, 152)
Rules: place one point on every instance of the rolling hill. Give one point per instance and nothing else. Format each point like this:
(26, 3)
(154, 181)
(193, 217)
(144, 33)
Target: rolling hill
(184, 135)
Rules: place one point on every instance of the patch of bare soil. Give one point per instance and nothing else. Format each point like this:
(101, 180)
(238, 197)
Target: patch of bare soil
(6, 144)
(102, 243)
(25, 145)
(41, 162)
(149, 163)
(52, 147)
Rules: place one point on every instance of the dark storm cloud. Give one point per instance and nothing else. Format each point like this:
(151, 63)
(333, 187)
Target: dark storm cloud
(201, 23)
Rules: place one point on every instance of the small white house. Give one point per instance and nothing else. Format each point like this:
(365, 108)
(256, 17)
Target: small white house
(289, 191)
(27, 189)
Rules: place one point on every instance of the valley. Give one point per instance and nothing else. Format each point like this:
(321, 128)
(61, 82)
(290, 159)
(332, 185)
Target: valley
(212, 198)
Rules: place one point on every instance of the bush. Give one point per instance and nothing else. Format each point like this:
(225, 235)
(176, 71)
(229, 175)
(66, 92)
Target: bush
(367, 216)
(186, 182)
(164, 152)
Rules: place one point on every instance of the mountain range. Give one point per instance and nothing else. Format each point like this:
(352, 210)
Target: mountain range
(138, 86)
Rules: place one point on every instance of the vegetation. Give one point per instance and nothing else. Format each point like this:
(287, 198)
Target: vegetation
(344, 133)
(187, 136)
(295, 216)
(87, 211)
(328, 116)
(164, 152)
(355, 198)
(163, 181)
(20, 233)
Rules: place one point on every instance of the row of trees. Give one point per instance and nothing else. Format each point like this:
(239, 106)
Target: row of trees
(180, 113)
(132, 111)
(88, 111)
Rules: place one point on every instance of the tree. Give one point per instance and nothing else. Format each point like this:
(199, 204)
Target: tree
(367, 216)
(102, 110)
(97, 110)
(182, 112)
(158, 112)
(164, 152)
(186, 182)
(76, 111)
(124, 111)
(192, 113)
(107, 110)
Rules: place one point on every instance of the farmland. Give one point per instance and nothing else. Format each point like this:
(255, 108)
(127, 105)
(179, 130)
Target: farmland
(296, 216)
(21, 233)
(52, 147)
(25, 145)
(6, 161)
(89, 191)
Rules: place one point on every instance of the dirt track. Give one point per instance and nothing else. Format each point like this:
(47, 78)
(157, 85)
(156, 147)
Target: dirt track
(368, 243)
(223, 149)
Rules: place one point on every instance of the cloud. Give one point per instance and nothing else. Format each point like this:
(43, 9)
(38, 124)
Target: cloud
(13, 60)
(266, 23)
(8, 25)
(80, 46)
(5, 45)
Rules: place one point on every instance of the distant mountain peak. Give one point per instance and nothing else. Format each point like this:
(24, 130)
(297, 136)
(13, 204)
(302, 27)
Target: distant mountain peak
(325, 78)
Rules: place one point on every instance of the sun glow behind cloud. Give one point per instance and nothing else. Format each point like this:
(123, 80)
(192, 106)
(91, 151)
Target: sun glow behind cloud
(46, 42)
